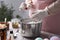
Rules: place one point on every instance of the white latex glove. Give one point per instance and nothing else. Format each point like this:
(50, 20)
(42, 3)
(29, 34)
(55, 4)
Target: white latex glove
(39, 14)
(28, 2)
(22, 6)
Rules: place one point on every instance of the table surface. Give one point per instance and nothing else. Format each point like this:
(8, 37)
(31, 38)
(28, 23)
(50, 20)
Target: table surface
(20, 37)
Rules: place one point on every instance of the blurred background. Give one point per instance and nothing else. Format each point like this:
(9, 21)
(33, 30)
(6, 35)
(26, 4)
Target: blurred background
(13, 6)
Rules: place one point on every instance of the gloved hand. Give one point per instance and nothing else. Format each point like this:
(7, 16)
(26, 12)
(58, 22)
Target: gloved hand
(25, 6)
(22, 6)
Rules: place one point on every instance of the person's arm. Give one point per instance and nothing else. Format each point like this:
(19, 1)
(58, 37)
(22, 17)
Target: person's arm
(49, 4)
(44, 3)
(53, 4)
(52, 7)
(40, 14)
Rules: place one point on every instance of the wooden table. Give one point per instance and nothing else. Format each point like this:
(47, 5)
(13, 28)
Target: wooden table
(3, 33)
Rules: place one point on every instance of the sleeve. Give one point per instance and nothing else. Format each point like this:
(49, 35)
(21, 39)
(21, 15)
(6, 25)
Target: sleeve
(53, 4)
(54, 7)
